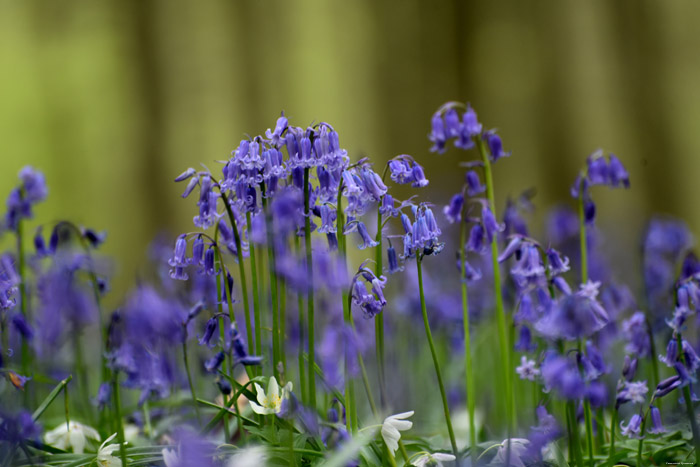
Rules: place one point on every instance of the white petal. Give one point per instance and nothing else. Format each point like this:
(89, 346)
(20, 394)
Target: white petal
(391, 437)
(77, 440)
(273, 388)
(441, 456)
(401, 425)
(260, 410)
(261, 394)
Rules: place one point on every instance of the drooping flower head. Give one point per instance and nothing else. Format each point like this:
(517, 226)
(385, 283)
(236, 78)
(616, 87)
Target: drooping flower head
(31, 190)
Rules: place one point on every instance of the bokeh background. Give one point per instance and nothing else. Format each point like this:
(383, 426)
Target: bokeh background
(113, 99)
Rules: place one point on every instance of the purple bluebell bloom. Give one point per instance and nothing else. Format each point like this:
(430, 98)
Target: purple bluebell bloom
(190, 172)
(392, 260)
(495, 145)
(668, 385)
(474, 185)
(547, 430)
(470, 128)
(525, 343)
(476, 242)
(31, 191)
(453, 211)
(575, 316)
(367, 241)
(561, 374)
(629, 368)
(633, 427)
(18, 428)
(275, 137)
(370, 302)
(212, 365)
(491, 226)
(557, 264)
(635, 331)
(597, 394)
(211, 327)
(104, 396)
(617, 173)
(656, 426)
(437, 135)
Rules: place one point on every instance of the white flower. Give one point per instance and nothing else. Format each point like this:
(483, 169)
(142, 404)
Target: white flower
(105, 458)
(270, 403)
(435, 459)
(254, 456)
(170, 458)
(527, 369)
(392, 426)
(74, 436)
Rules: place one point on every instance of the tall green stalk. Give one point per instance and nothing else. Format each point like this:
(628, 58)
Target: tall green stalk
(189, 381)
(436, 363)
(241, 270)
(379, 317)
(120, 422)
(500, 310)
(350, 403)
(300, 322)
(276, 352)
(584, 279)
(469, 372)
(256, 294)
(310, 292)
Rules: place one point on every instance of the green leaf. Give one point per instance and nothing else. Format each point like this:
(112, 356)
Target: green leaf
(50, 398)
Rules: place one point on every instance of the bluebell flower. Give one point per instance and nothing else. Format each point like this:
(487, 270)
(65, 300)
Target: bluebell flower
(453, 211)
(32, 190)
(597, 394)
(392, 260)
(275, 137)
(197, 250)
(617, 173)
(575, 316)
(656, 426)
(211, 327)
(470, 272)
(189, 173)
(423, 237)
(476, 242)
(22, 326)
(437, 135)
(469, 129)
(404, 169)
(525, 343)
(370, 301)
(668, 385)
(495, 145)
(667, 237)
(474, 185)
(104, 396)
(671, 353)
(690, 358)
(328, 219)
(635, 392)
(529, 268)
(240, 354)
(207, 204)
(633, 427)
(212, 365)
(387, 208)
(561, 374)
(592, 362)
(557, 264)
(547, 430)
(19, 427)
(635, 331)
(629, 368)
(491, 226)
(367, 240)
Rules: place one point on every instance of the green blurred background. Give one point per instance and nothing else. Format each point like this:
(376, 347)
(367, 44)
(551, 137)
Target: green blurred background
(112, 99)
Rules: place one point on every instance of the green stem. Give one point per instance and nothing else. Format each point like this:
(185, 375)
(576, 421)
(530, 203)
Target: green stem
(26, 356)
(189, 380)
(573, 433)
(222, 332)
(613, 427)
(300, 322)
(83, 388)
(120, 423)
(310, 293)
(283, 323)
(500, 310)
(379, 318)
(350, 403)
(469, 374)
(276, 354)
(436, 364)
(256, 295)
(241, 270)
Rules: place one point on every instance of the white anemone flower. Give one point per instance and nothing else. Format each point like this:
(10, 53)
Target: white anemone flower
(435, 459)
(105, 458)
(71, 435)
(270, 403)
(254, 456)
(391, 427)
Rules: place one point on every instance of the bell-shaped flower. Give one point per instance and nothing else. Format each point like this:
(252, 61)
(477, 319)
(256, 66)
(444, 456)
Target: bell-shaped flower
(392, 428)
